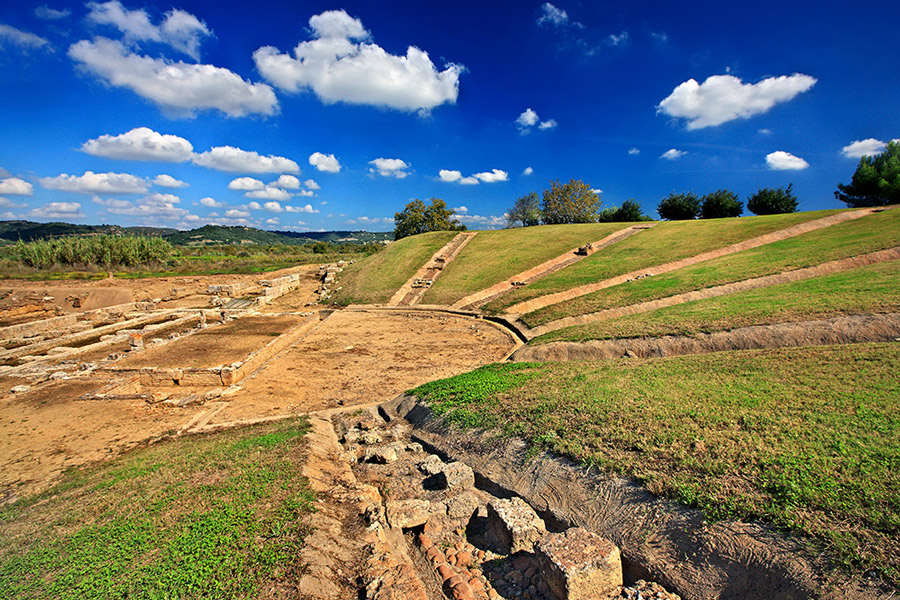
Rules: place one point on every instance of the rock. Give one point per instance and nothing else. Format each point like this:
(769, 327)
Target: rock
(351, 437)
(457, 476)
(88, 366)
(381, 456)
(414, 447)
(407, 513)
(59, 375)
(513, 526)
(579, 565)
(462, 506)
(20, 389)
(370, 437)
(432, 465)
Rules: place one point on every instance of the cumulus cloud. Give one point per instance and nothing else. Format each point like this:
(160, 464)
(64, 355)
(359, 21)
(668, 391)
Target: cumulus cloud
(235, 160)
(672, 154)
(528, 171)
(482, 221)
(449, 176)
(468, 181)
(167, 181)
(141, 143)
(273, 207)
(96, 183)
(548, 124)
(492, 176)
(785, 161)
(370, 221)
(866, 147)
(211, 202)
(177, 87)
(22, 39)
(306, 194)
(7, 203)
(16, 187)
(325, 162)
(723, 98)
(389, 167)
(181, 30)
(269, 193)
(153, 206)
(312, 185)
(287, 182)
(246, 184)
(58, 210)
(51, 14)
(306, 208)
(236, 213)
(529, 118)
(339, 65)
(460, 209)
(633, 151)
(557, 17)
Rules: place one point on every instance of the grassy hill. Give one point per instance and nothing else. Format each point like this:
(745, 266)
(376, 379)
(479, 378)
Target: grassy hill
(28, 231)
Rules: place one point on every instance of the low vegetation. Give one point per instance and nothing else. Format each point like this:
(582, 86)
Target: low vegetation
(773, 201)
(222, 516)
(107, 251)
(805, 438)
(852, 238)
(663, 243)
(871, 289)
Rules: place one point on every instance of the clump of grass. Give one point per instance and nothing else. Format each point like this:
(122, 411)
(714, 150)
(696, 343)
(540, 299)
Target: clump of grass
(96, 250)
(205, 517)
(805, 438)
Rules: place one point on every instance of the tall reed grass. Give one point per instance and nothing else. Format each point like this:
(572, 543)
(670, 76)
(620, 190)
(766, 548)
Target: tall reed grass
(97, 250)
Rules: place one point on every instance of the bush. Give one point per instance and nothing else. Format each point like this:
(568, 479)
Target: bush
(773, 201)
(721, 204)
(679, 207)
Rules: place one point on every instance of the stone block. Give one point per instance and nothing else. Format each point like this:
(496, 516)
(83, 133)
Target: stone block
(407, 513)
(579, 565)
(457, 476)
(462, 506)
(432, 465)
(513, 526)
(382, 455)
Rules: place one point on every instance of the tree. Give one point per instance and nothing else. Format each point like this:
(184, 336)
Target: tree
(721, 204)
(679, 207)
(876, 181)
(526, 210)
(773, 201)
(630, 211)
(417, 218)
(573, 202)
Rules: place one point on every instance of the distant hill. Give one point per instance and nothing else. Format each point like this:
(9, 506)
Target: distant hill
(27, 231)
(341, 237)
(219, 234)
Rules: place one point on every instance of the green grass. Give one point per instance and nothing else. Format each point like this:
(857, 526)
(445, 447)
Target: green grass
(219, 516)
(805, 438)
(664, 243)
(871, 289)
(375, 279)
(493, 256)
(868, 234)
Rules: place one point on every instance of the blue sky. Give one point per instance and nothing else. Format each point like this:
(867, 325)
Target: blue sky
(312, 115)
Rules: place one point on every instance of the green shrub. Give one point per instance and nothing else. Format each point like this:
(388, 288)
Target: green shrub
(773, 201)
(679, 207)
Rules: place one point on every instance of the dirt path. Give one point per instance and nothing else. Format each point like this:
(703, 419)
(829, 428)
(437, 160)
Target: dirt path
(550, 299)
(411, 292)
(482, 297)
(828, 268)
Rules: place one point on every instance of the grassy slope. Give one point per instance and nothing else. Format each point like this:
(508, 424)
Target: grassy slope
(804, 438)
(374, 280)
(493, 256)
(868, 234)
(871, 289)
(664, 243)
(218, 516)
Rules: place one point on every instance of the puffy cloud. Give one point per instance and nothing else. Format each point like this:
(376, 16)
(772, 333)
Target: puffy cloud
(180, 30)
(269, 193)
(723, 98)
(325, 162)
(529, 118)
(177, 87)
(254, 206)
(235, 213)
(51, 14)
(287, 182)
(20, 38)
(7, 203)
(785, 161)
(96, 183)
(528, 171)
(389, 167)
(860, 148)
(167, 181)
(548, 124)
(633, 151)
(370, 221)
(617, 39)
(449, 176)
(246, 184)
(493, 176)
(306, 193)
(16, 187)
(672, 154)
(307, 208)
(273, 207)
(312, 185)
(58, 210)
(235, 160)
(468, 181)
(551, 15)
(141, 143)
(211, 202)
(272, 221)
(484, 221)
(339, 66)
(153, 206)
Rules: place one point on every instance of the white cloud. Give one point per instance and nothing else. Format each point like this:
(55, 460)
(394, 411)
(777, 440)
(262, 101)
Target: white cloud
(153, 206)
(312, 185)
(286, 182)
(141, 143)
(176, 87)
(272, 221)
(370, 221)
(551, 15)
(764, 131)
(493, 176)
(548, 124)
(460, 209)
(672, 154)
(7, 203)
(484, 221)
(246, 184)
(306, 194)
(235, 213)
(449, 176)
(58, 210)
(51, 14)
(20, 38)
(211, 202)
(167, 181)
(180, 30)
(528, 171)
(273, 207)
(723, 98)
(633, 151)
(235, 160)
(339, 66)
(269, 193)
(785, 161)
(254, 206)
(527, 119)
(866, 147)
(468, 181)
(389, 167)
(16, 187)
(307, 208)
(325, 162)
(617, 39)
(96, 183)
